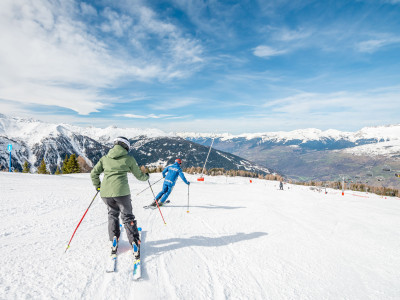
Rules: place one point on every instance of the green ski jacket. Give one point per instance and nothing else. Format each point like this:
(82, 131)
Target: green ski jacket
(115, 165)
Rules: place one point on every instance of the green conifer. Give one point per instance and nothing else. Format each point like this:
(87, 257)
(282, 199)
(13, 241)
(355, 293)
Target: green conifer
(73, 164)
(57, 171)
(42, 168)
(64, 168)
(26, 168)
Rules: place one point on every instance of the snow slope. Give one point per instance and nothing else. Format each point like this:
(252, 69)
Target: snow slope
(382, 148)
(240, 240)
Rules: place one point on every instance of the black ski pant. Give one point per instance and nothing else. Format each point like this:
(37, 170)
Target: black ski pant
(121, 205)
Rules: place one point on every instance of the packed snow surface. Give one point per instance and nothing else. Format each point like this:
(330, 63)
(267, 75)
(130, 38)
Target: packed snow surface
(240, 240)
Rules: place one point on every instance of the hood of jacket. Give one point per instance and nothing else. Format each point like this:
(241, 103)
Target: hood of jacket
(177, 165)
(117, 151)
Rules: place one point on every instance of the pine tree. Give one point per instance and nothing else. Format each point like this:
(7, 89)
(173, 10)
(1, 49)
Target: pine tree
(57, 171)
(73, 165)
(26, 168)
(42, 168)
(64, 168)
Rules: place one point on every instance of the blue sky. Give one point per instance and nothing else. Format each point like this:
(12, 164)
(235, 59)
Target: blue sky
(204, 66)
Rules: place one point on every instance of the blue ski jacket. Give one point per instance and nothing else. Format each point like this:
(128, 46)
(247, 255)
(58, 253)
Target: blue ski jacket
(171, 174)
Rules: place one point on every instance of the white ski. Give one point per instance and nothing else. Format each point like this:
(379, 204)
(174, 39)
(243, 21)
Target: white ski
(155, 207)
(112, 264)
(137, 269)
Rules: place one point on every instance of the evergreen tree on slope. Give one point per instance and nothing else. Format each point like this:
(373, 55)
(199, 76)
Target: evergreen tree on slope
(57, 171)
(26, 168)
(42, 168)
(64, 168)
(73, 165)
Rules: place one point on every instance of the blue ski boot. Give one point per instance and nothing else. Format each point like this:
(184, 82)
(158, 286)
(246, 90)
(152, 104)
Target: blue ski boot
(114, 246)
(136, 249)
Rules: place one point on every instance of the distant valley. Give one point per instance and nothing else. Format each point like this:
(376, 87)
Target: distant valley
(371, 154)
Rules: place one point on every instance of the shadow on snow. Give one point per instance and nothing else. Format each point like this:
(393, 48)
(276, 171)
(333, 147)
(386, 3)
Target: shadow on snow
(203, 206)
(171, 244)
(161, 246)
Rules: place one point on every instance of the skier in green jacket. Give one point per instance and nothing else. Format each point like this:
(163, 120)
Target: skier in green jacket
(115, 192)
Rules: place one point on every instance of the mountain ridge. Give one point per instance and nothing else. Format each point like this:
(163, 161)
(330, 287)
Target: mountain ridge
(303, 154)
(34, 140)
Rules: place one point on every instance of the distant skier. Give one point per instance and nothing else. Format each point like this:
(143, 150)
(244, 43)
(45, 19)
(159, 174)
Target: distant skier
(170, 174)
(281, 185)
(115, 192)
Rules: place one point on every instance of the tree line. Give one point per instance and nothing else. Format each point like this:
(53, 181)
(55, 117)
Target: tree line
(217, 172)
(360, 187)
(384, 191)
(69, 165)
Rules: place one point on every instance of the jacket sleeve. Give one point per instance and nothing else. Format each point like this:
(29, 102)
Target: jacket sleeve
(95, 174)
(136, 171)
(164, 172)
(183, 177)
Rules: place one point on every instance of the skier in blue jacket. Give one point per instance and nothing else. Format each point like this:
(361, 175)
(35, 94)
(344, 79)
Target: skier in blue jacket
(170, 174)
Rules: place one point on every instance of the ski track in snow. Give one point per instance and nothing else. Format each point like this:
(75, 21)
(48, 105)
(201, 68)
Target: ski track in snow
(240, 240)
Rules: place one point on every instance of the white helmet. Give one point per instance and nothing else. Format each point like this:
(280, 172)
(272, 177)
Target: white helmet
(122, 141)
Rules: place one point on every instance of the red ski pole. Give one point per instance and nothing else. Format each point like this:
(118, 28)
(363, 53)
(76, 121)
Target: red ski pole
(156, 202)
(81, 221)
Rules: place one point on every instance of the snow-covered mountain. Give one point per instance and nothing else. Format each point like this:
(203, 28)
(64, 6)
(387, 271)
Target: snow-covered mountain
(312, 154)
(33, 131)
(33, 140)
(307, 154)
(311, 139)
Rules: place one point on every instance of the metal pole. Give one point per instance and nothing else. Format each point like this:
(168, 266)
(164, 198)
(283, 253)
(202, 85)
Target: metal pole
(342, 186)
(80, 222)
(149, 186)
(156, 202)
(207, 158)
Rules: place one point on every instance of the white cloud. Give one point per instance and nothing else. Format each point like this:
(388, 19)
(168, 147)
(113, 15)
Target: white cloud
(87, 9)
(374, 45)
(48, 56)
(267, 51)
(116, 23)
(287, 35)
(175, 103)
(150, 116)
(363, 107)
